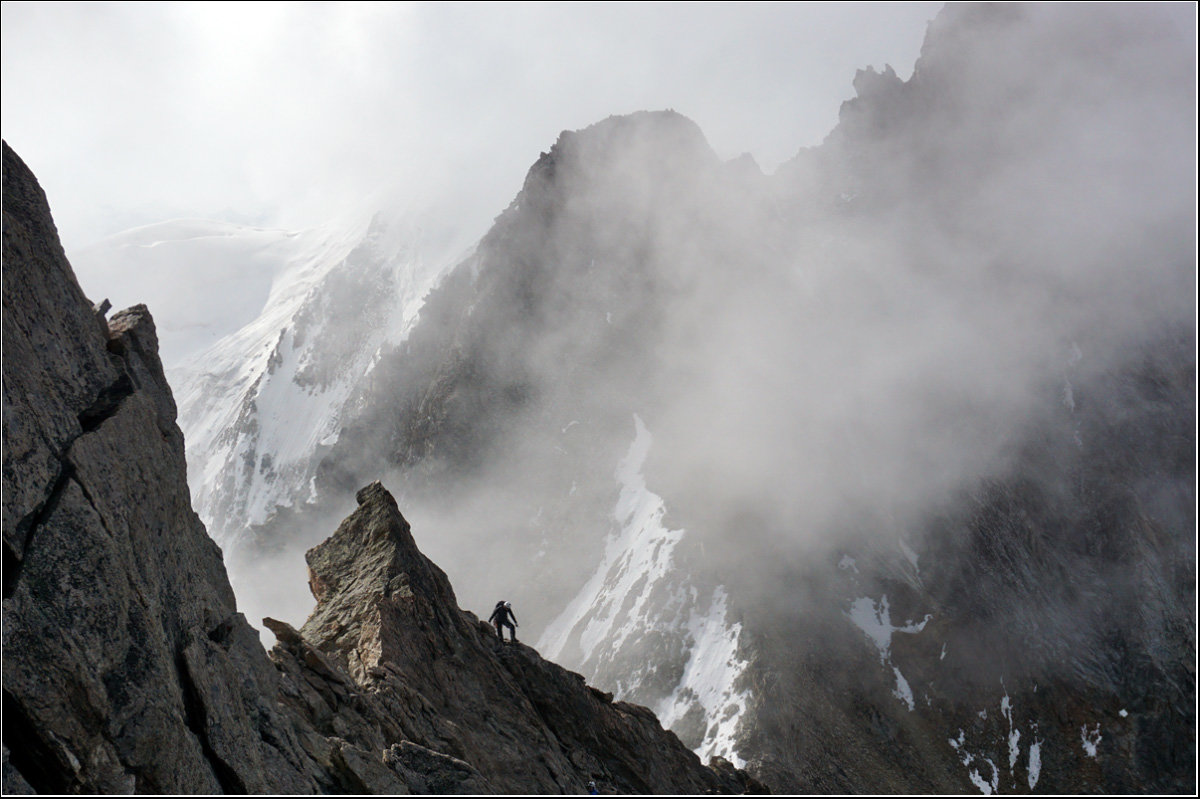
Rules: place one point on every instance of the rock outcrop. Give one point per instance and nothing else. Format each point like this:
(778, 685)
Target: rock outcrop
(387, 625)
(127, 667)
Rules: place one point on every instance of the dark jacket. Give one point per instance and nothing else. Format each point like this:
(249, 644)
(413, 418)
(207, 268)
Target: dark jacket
(501, 615)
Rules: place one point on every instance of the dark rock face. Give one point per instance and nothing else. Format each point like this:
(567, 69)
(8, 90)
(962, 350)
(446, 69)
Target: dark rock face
(66, 376)
(127, 667)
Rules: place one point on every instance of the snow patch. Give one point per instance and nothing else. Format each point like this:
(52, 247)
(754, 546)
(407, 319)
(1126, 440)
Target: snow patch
(1014, 735)
(986, 787)
(640, 551)
(1014, 748)
(875, 622)
(974, 762)
(874, 619)
(708, 679)
(1091, 739)
(902, 691)
(1035, 763)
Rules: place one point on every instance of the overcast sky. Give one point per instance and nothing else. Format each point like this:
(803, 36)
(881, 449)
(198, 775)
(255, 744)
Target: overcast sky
(284, 114)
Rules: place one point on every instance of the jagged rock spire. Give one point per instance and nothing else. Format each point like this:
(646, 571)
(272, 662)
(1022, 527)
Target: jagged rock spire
(374, 588)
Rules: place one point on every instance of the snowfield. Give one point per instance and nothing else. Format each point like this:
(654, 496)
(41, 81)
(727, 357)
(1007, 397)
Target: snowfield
(613, 614)
(265, 335)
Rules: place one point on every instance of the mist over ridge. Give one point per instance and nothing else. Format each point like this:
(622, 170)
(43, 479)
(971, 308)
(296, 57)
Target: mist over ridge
(874, 326)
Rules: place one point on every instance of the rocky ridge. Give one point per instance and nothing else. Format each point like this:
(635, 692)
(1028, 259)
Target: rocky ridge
(127, 667)
(387, 617)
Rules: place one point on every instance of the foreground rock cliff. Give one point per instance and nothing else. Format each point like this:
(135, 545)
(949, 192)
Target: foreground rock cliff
(127, 667)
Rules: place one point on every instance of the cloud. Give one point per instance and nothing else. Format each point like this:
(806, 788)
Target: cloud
(283, 113)
(836, 353)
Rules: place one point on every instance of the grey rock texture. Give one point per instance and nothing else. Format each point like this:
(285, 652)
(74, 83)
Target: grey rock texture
(66, 377)
(127, 668)
(126, 665)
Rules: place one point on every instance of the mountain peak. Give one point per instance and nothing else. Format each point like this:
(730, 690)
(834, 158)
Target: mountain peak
(377, 527)
(630, 157)
(615, 126)
(650, 139)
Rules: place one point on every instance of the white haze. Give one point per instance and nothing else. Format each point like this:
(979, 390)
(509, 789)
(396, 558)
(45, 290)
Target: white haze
(912, 344)
(290, 115)
(1027, 224)
(283, 113)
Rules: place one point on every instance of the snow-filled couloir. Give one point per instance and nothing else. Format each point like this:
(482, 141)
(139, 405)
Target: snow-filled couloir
(644, 626)
(258, 405)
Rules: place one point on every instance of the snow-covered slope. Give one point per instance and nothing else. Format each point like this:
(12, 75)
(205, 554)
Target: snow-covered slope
(265, 334)
(258, 406)
(642, 624)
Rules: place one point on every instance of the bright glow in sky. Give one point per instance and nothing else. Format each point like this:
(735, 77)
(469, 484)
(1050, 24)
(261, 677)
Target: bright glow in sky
(286, 113)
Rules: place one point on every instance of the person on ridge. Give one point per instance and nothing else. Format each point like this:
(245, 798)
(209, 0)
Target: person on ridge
(500, 616)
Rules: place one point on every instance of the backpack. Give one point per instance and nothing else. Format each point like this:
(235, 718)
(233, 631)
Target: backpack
(499, 613)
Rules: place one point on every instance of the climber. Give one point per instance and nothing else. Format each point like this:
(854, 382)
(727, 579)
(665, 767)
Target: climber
(500, 616)
(592, 789)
